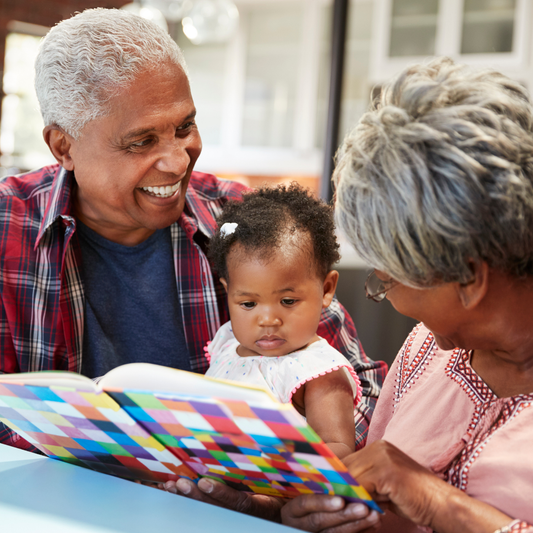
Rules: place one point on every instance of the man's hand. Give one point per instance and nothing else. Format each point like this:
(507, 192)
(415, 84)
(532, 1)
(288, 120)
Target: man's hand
(328, 514)
(216, 493)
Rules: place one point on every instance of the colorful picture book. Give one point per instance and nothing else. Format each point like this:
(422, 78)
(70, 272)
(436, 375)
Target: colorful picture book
(153, 423)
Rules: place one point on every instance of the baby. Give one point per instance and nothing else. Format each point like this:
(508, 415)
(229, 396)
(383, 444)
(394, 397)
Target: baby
(274, 252)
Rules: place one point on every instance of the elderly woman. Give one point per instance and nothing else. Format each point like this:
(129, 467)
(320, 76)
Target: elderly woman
(435, 191)
(434, 188)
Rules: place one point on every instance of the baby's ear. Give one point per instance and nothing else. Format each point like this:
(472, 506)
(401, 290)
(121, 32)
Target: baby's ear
(330, 286)
(225, 283)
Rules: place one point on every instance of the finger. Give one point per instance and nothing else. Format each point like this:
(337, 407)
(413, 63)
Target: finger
(360, 462)
(225, 496)
(320, 513)
(185, 487)
(212, 492)
(170, 486)
(163, 486)
(367, 525)
(216, 493)
(259, 505)
(311, 503)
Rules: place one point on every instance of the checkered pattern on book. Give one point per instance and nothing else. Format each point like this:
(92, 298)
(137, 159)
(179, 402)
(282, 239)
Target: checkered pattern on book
(87, 429)
(263, 450)
(158, 437)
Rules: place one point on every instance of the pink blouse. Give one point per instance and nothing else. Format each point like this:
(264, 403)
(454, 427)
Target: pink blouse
(436, 409)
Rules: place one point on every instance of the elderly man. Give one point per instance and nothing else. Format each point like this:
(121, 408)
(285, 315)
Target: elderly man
(102, 256)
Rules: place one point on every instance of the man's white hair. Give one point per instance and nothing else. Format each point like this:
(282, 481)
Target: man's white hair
(86, 60)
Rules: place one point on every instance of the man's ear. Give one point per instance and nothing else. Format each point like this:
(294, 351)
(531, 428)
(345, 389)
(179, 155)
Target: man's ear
(472, 292)
(60, 144)
(225, 283)
(330, 286)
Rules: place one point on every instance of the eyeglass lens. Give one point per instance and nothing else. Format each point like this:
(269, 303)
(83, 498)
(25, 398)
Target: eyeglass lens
(374, 284)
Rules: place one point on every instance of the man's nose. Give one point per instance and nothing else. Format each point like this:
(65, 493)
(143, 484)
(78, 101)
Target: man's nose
(173, 157)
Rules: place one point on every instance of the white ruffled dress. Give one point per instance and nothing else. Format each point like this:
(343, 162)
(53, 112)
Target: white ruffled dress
(282, 375)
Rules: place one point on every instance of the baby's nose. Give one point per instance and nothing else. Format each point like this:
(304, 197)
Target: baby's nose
(269, 319)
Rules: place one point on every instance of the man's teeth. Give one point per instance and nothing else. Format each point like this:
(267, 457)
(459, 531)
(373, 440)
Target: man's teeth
(162, 192)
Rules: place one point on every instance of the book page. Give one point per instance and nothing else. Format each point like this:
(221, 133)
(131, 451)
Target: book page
(52, 378)
(149, 377)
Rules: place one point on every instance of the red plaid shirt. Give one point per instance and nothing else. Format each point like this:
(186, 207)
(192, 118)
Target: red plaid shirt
(42, 296)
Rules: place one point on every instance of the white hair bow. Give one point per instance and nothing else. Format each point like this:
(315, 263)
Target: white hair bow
(228, 228)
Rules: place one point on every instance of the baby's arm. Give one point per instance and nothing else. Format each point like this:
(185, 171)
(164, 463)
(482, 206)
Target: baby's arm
(328, 402)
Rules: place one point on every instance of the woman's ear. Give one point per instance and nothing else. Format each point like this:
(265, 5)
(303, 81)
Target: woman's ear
(59, 143)
(330, 286)
(472, 292)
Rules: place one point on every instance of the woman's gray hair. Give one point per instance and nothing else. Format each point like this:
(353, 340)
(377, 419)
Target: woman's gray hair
(439, 174)
(86, 60)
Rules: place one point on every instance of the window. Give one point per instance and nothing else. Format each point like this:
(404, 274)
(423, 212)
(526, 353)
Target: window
(21, 142)
(413, 27)
(488, 26)
(494, 33)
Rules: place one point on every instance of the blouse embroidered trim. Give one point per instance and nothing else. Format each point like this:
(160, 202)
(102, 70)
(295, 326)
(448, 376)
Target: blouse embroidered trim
(516, 526)
(409, 372)
(457, 474)
(520, 527)
(459, 369)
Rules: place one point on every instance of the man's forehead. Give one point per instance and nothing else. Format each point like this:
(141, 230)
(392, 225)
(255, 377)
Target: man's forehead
(145, 106)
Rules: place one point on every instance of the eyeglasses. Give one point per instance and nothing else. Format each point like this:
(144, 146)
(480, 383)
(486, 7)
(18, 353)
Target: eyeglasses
(376, 289)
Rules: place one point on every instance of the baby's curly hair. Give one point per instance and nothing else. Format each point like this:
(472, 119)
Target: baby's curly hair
(267, 217)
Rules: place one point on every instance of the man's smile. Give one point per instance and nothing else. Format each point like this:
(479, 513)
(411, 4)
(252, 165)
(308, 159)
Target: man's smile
(162, 192)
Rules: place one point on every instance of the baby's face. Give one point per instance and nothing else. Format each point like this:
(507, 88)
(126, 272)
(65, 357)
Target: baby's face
(275, 305)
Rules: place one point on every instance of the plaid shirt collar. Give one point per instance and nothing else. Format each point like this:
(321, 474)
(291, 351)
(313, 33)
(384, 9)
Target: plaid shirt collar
(59, 204)
(192, 219)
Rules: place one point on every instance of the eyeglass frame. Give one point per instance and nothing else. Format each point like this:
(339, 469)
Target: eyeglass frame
(380, 295)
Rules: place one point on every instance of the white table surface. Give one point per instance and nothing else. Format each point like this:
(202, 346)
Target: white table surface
(38, 494)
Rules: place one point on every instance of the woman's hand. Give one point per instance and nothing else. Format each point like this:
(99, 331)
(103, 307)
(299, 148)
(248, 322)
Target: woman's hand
(328, 514)
(389, 475)
(398, 483)
(216, 493)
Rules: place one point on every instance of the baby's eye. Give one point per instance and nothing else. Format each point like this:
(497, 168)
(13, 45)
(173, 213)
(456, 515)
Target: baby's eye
(248, 305)
(288, 301)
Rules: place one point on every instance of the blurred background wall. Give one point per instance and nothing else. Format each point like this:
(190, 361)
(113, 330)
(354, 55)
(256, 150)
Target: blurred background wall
(262, 90)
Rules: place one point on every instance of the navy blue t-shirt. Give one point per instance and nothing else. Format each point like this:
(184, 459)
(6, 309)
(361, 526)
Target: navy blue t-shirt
(132, 311)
